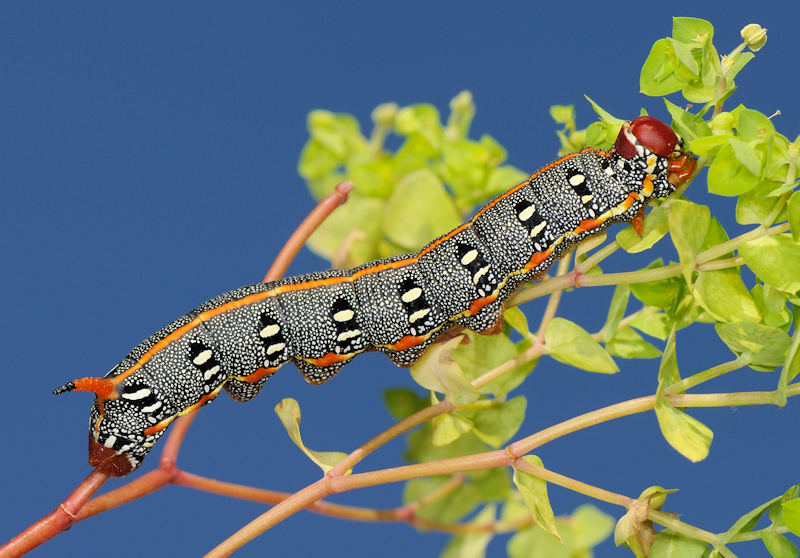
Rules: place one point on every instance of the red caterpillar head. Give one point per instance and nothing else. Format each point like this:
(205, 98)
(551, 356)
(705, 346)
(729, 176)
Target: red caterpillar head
(651, 134)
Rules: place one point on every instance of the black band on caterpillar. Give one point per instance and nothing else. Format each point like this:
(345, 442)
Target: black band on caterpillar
(397, 305)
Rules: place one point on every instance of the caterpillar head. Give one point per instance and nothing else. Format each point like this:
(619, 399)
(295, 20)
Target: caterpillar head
(646, 138)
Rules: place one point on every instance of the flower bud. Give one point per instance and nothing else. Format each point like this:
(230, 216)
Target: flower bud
(384, 114)
(755, 36)
(463, 103)
(722, 124)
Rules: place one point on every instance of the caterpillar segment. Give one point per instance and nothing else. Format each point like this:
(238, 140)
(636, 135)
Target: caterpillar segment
(399, 305)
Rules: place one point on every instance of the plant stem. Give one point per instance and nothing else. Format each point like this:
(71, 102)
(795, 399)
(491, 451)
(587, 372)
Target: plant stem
(706, 375)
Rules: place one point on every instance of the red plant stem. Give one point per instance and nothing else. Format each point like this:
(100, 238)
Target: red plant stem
(60, 519)
(308, 226)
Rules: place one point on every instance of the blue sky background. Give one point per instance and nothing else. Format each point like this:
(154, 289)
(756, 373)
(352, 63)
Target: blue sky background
(148, 160)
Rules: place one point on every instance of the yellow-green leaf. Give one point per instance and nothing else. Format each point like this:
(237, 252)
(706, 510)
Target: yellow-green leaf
(690, 437)
(724, 296)
(448, 428)
(688, 225)
(422, 195)
(534, 492)
(289, 412)
(654, 227)
(472, 545)
(437, 371)
(569, 343)
(775, 260)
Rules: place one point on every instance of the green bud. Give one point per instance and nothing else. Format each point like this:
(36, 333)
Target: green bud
(755, 36)
(384, 114)
(563, 114)
(463, 103)
(722, 124)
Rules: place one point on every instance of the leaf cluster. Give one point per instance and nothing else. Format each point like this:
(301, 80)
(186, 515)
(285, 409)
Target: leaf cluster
(437, 175)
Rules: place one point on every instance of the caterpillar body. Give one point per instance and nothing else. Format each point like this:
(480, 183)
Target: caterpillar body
(396, 305)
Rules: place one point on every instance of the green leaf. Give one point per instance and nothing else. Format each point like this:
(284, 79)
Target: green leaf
(516, 318)
(755, 206)
(791, 367)
(372, 176)
(709, 146)
(692, 30)
(775, 260)
(778, 545)
(496, 425)
(472, 545)
(569, 343)
(746, 523)
(791, 515)
(689, 126)
(502, 179)
(663, 293)
(534, 492)
(338, 133)
(422, 195)
(422, 120)
(403, 402)
(794, 215)
(745, 152)
(724, 296)
(652, 322)
(289, 412)
(654, 228)
(437, 371)
(616, 311)
(591, 526)
(753, 125)
(317, 162)
(668, 372)
(688, 225)
(659, 74)
(448, 428)
(485, 352)
(534, 542)
(690, 437)
(669, 544)
(727, 176)
(629, 344)
(758, 344)
(448, 507)
(358, 223)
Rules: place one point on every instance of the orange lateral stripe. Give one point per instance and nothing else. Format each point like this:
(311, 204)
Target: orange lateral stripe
(380, 267)
(536, 259)
(166, 422)
(306, 285)
(407, 342)
(494, 202)
(256, 376)
(589, 224)
(328, 359)
(476, 306)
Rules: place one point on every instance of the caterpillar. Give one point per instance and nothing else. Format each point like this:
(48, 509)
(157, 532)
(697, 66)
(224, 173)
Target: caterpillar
(397, 305)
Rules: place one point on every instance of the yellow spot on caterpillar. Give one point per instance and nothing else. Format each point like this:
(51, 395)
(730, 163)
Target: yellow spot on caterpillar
(269, 331)
(411, 295)
(203, 357)
(527, 213)
(344, 315)
(418, 315)
(469, 257)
